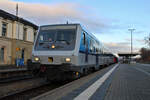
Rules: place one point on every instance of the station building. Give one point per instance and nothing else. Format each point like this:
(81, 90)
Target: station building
(16, 38)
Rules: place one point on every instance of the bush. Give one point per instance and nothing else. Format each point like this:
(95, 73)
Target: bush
(145, 54)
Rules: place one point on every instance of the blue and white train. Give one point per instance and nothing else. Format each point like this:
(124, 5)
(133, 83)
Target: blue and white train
(66, 50)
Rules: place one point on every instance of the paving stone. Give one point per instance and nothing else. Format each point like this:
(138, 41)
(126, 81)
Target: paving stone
(129, 84)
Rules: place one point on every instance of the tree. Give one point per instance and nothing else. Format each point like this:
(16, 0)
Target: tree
(145, 54)
(147, 40)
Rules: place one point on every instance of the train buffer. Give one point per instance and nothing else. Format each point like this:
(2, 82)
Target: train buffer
(116, 82)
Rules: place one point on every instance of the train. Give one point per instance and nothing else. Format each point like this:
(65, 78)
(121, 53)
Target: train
(65, 51)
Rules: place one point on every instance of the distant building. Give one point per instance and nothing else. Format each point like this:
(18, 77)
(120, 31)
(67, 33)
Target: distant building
(16, 38)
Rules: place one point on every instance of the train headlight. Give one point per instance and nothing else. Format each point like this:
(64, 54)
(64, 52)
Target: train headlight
(53, 46)
(68, 60)
(36, 58)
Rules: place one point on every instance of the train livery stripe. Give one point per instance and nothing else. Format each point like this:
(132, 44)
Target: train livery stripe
(94, 54)
(88, 53)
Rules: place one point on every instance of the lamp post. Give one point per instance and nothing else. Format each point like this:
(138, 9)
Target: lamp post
(131, 30)
(149, 40)
(17, 43)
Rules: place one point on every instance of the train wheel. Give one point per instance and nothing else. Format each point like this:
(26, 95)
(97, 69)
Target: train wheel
(85, 71)
(100, 67)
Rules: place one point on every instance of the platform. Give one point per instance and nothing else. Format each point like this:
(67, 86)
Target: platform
(116, 82)
(12, 73)
(4, 69)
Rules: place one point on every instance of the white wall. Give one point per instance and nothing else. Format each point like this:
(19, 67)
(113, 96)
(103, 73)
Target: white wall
(16, 31)
(12, 30)
(30, 34)
(21, 31)
(9, 30)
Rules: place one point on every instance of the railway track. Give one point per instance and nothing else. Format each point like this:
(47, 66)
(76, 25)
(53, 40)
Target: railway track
(28, 94)
(17, 78)
(9, 75)
(21, 84)
(27, 88)
(13, 88)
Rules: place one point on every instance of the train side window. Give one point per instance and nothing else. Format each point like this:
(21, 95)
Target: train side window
(91, 45)
(97, 51)
(84, 39)
(95, 46)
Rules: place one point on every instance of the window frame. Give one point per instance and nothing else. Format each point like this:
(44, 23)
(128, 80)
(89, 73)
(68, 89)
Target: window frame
(25, 33)
(4, 23)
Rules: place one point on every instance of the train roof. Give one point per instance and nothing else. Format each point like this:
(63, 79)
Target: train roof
(59, 25)
(70, 25)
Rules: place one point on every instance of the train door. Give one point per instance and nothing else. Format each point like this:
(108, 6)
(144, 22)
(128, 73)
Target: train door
(96, 47)
(86, 47)
(96, 59)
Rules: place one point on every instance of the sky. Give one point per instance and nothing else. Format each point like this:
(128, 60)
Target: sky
(108, 20)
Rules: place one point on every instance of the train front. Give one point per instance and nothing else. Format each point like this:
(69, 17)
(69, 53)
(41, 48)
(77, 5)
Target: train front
(54, 49)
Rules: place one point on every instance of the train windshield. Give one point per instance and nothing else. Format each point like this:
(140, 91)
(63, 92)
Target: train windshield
(58, 39)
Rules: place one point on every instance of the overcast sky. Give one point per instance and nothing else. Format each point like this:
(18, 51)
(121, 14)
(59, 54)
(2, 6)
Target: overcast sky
(108, 20)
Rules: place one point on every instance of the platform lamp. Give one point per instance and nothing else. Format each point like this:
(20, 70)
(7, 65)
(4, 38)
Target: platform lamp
(131, 30)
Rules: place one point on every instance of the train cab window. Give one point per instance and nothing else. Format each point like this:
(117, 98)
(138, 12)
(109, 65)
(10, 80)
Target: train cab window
(63, 38)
